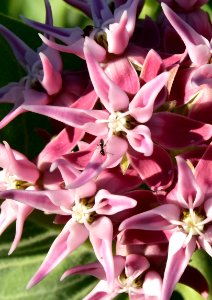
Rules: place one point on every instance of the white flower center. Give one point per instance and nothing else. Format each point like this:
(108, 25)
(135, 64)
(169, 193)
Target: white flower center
(10, 182)
(82, 212)
(118, 122)
(192, 223)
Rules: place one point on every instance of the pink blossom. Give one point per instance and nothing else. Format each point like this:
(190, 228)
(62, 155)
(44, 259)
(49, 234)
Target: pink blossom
(181, 215)
(43, 77)
(17, 173)
(132, 277)
(112, 31)
(198, 47)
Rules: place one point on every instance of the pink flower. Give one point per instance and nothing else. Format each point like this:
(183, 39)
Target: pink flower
(90, 211)
(111, 30)
(197, 46)
(17, 173)
(132, 277)
(187, 215)
(43, 77)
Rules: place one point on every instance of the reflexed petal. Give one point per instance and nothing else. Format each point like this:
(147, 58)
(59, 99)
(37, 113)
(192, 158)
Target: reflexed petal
(71, 237)
(23, 211)
(102, 244)
(80, 118)
(96, 269)
(158, 218)
(156, 170)
(197, 46)
(36, 199)
(112, 97)
(62, 144)
(23, 53)
(175, 131)
(178, 259)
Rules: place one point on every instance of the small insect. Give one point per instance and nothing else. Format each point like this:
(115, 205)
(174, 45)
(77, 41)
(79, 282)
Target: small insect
(102, 145)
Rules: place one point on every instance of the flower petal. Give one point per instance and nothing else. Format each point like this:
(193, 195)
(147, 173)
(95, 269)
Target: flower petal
(102, 245)
(178, 259)
(71, 237)
(158, 218)
(141, 106)
(110, 94)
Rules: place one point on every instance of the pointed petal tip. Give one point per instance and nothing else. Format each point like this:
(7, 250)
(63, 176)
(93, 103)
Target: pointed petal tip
(12, 249)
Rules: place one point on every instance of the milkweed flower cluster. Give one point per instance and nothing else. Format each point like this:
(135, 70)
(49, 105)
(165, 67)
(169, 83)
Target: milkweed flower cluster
(131, 168)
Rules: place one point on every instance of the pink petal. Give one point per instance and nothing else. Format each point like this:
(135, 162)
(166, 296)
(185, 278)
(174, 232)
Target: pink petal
(140, 139)
(189, 192)
(152, 66)
(206, 245)
(74, 41)
(197, 46)
(117, 35)
(158, 218)
(98, 162)
(52, 80)
(112, 97)
(95, 269)
(135, 265)
(71, 237)
(208, 207)
(131, 7)
(156, 170)
(175, 131)
(23, 211)
(203, 171)
(102, 245)
(100, 292)
(113, 203)
(36, 199)
(203, 75)
(121, 182)
(141, 106)
(23, 169)
(152, 285)
(178, 259)
(123, 74)
(63, 143)
(83, 119)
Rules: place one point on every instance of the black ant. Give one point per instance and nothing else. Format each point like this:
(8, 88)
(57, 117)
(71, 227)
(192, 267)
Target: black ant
(102, 145)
